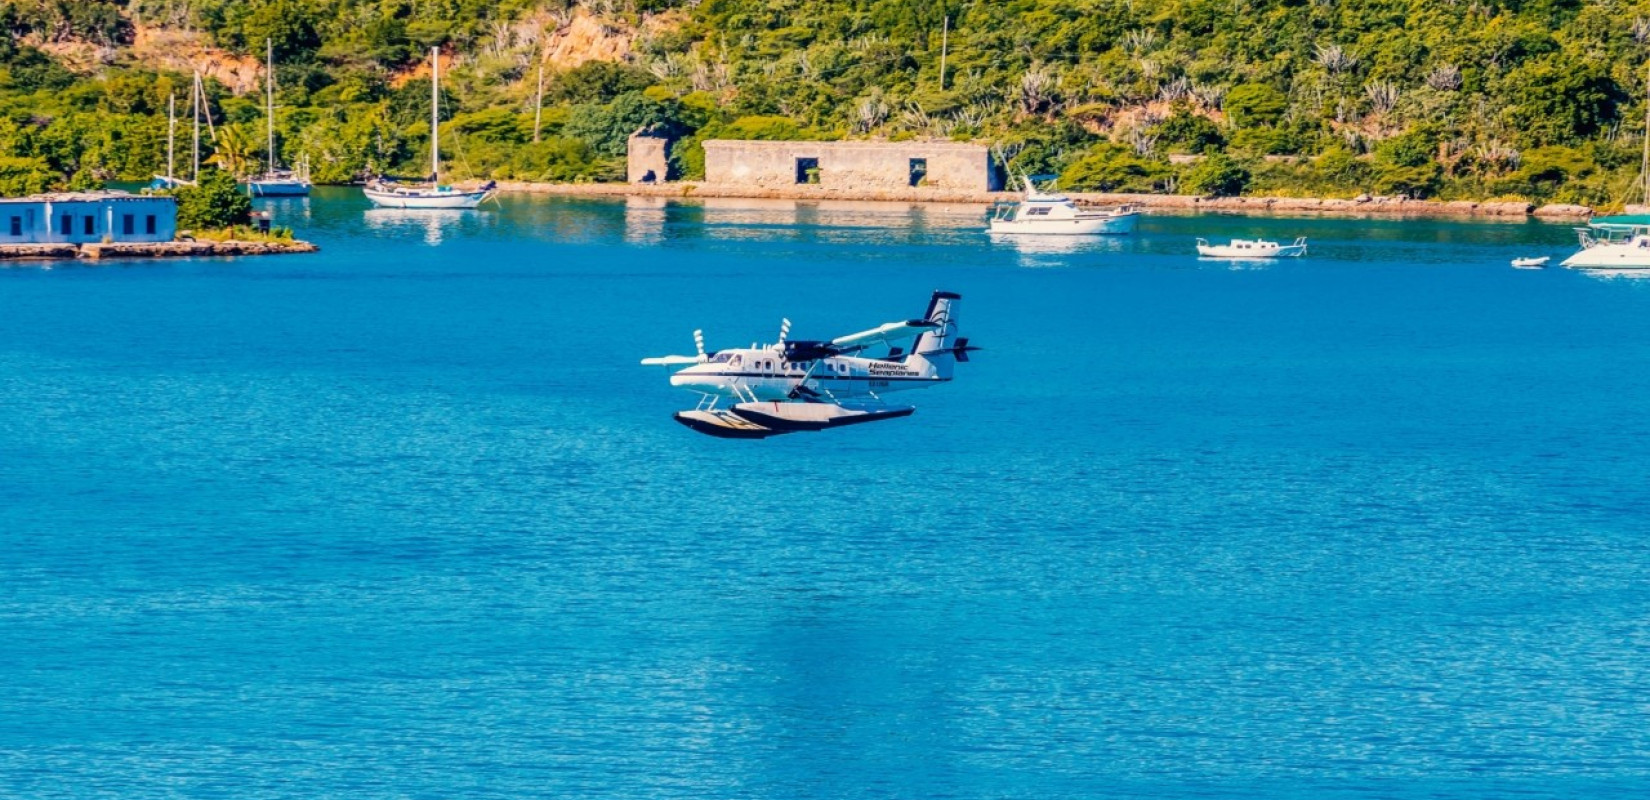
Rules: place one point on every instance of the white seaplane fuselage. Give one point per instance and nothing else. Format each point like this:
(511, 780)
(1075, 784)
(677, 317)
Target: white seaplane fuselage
(762, 374)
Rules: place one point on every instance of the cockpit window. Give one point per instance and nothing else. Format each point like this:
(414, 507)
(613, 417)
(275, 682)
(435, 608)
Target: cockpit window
(721, 358)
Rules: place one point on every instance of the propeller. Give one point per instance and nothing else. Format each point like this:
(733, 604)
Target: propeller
(699, 342)
(784, 331)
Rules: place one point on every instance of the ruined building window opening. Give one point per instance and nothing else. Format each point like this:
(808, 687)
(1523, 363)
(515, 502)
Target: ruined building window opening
(919, 171)
(807, 170)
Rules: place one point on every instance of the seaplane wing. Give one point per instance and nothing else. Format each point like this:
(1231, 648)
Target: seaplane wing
(671, 361)
(883, 334)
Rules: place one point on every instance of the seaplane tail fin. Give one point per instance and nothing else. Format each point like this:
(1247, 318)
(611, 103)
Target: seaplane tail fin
(935, 351)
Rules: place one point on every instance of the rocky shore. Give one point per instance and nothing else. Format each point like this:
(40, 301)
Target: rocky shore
(195, 249)
(1384, 206)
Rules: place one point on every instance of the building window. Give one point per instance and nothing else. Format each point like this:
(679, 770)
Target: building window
(149, 224)
(807, 170)
(919, 171)
(17, 226)
(128, 224)
(65, 225)
(91, 224)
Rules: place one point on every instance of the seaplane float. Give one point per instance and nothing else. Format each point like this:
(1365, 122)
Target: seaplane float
(814, 385)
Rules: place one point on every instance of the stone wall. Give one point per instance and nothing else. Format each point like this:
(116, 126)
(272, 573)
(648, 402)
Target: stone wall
(648, 155)
(850, 166)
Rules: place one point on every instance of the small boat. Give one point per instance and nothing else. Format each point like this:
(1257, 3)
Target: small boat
(275, 182)
(1613, 243)
(1252, 248)
(388, 193)
(1047, 213)
(1531, 263)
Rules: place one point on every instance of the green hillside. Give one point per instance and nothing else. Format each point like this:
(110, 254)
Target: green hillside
(1428, 98)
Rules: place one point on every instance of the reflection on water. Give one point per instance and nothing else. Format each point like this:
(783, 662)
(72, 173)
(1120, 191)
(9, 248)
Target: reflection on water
(644, 219)
(835, 220)
(1058, 251)
(433, 224)
(289, 212)
(1617, 274)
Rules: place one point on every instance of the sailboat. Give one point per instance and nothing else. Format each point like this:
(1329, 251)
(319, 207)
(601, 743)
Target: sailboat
(387, 193)
(197, 104)
(275, 182)
(170, 179)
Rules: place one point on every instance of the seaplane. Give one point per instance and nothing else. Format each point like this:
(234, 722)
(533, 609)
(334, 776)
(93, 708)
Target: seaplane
(814, 385)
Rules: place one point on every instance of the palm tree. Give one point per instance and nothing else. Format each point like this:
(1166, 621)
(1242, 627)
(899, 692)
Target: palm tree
(236, 152)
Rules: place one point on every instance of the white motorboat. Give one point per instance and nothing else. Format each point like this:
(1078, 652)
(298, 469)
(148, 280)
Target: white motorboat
(387, 193)
(1530, 263)
(1613, 243)
(1047, 213)
(1252, 248)
(275, 182)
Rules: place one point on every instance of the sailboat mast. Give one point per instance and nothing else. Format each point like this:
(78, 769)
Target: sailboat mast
(195, 148)
(171, 136)
(1644, 167)
(538, 103)
(435, 115)
(269, 92)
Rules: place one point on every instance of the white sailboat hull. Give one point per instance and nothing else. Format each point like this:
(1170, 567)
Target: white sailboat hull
(278, 188)
(433, 199)
(1083, 225)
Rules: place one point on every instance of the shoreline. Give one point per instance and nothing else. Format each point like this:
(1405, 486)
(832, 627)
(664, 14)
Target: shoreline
(1373, 206)
(97, 251)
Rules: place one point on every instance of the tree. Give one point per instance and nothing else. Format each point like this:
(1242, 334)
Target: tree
(597, 82)
(214, 202)
(1255, 104)
(608, 128)
(1217, 175)
(236, 152)
(1114, 168)
(25, 176)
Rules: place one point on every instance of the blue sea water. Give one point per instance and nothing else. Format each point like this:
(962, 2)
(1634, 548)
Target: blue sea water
(405, 519)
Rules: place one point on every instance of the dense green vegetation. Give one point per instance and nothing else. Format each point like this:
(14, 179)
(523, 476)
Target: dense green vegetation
(1537, 99)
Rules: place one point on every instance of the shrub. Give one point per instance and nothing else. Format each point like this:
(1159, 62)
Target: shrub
(1218, 175)
(1110, 167)
(215, 202)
